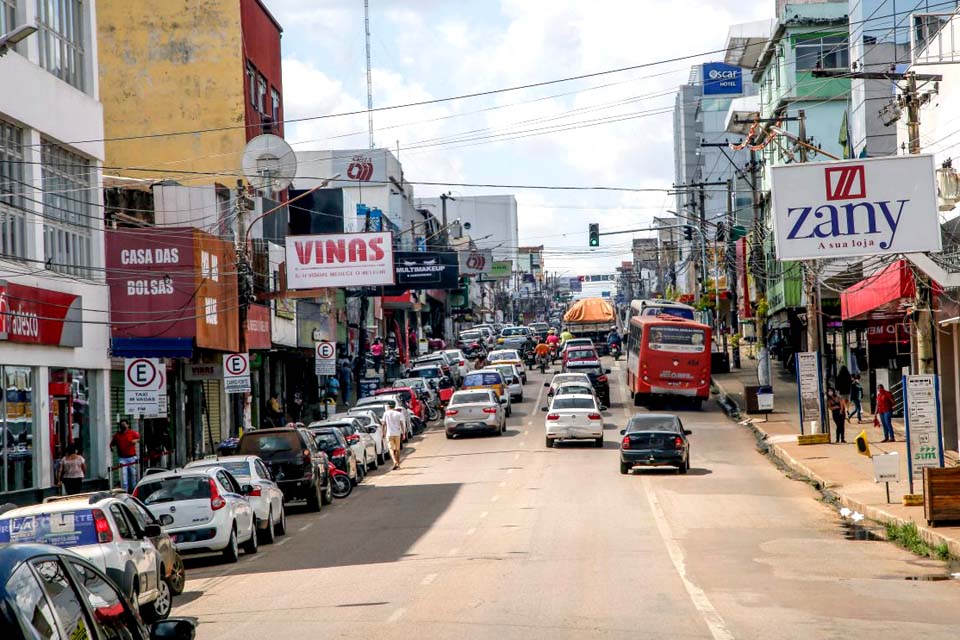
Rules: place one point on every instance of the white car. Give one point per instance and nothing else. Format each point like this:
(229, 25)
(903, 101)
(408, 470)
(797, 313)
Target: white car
(504, 355)
(266, 498)
(209, 510)
(378, 403)
(371, 423)
(103, 530)
(459, 360)
(564, 378)
(512, 377)
(573, 417)
(575, 387)
(360, 441)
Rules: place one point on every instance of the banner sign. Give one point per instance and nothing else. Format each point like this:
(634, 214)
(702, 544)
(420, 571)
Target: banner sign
(720, 78)
(877, 206)
(810, 392)
(475, 261)
(61, 529)
(501, 270)
(144, 380)
(195, 372)
(258, 327)
(236, 373)
(326, 359)
(426, 270)
(921, 412)
(39, 316)
(339, 260)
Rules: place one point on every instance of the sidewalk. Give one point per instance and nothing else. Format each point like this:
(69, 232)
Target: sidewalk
(834, 467)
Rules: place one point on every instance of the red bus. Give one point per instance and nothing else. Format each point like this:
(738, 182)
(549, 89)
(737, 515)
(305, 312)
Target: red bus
(668, 356)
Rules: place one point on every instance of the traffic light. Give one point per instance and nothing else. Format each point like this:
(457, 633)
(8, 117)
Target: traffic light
(687, 232)
(594, 232)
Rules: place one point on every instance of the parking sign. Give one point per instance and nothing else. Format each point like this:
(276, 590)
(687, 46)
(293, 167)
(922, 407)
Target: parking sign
(143, 382)
(236, 373)
(326, 360)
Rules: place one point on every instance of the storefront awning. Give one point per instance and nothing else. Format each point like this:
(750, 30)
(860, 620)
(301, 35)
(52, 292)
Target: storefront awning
(883, 293)
(151, 347)
(406, 300)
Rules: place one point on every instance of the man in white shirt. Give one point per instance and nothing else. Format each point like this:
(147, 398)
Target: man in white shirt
(393, 421)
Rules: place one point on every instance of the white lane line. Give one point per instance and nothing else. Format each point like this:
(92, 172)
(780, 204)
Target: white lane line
(427, 579)
(494, 498)
(503, 483)
(305, 527)
(516, 456)
(509, 471)
(471, 531)
(396, 615)
(718, 628)
(453, 551)
(526, 432)
(284, 541)
(484, 514)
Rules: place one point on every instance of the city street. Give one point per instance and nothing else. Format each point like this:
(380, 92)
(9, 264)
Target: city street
(500, 537)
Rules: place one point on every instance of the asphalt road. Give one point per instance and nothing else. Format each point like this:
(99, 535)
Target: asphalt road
(499, 537)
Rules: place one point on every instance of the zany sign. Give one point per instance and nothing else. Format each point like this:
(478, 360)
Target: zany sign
(855, 208)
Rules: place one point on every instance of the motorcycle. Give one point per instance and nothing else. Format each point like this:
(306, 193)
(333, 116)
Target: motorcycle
(615, 351)
(339, 481)
(542, 361)
(553, 354)
(530, 357)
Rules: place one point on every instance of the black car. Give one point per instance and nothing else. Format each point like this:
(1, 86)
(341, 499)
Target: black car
(296, 464)
(49, 592)
(597, 375)
(654, 440)
(332, 442)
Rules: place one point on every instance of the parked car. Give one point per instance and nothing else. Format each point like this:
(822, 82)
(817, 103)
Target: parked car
(573, 417)
(458, 360)
(265, 496)
(597, 375)
(331, 441)
(174, 572)
(409, 396)
(359, 440)
(493, 380)
(653, 440)
(372, 424)
(102, 529)
(435, 377)
(210, 510)
(474, 411)
(294, 462)
(421, 386)
(379, 404)
(511, 376)
(50, 592)
(440, 359)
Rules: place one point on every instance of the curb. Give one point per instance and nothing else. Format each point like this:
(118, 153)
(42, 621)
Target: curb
(877, 514)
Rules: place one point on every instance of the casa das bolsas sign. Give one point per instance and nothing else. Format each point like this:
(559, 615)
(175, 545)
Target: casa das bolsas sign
(855, 208)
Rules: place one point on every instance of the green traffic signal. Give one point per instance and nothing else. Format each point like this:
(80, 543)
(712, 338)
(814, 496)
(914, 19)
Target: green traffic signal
(594, 233)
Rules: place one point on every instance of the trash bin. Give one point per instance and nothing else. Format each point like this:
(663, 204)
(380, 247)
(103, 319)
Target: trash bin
(750, 396)
(719, 362)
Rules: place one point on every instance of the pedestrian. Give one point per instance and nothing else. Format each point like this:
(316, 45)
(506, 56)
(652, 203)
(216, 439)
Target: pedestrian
(393, 421)
(856, 397)
(346, 373)
(274, 408)
(297, 411)
(333, 389)
(836, 404)
(885, 412)
(412, 342)
(376, 350)
(125, 442)
(844, 382)
(73, 468)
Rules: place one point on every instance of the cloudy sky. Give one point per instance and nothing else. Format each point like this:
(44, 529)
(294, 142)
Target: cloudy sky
(610, 130)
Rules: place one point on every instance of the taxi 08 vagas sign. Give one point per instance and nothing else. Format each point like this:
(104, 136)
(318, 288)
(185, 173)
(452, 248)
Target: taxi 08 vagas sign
(855, 208)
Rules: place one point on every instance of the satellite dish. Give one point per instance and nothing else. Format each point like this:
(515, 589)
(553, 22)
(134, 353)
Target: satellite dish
(269, 163)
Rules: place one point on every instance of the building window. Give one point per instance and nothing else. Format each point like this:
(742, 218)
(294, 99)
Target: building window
(252, 84)
(261, 94)
(275, 104)
(61, 39)
(68, 184)
(18, 426)
(8, 15)
(12, 221)
(828, 52)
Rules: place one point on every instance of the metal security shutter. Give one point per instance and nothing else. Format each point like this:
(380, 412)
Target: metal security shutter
(211, 426)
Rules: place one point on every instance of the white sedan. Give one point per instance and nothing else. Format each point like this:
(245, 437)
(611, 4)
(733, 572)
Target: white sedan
(564, 378)
(573, 417)
(265, 496)
(459, 361)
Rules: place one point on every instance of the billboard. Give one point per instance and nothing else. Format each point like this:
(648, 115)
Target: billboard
(880, 206)
(721, 79)
(339, 260)
(40, 316)
(426, 270)
(475, 261)
(501, 269)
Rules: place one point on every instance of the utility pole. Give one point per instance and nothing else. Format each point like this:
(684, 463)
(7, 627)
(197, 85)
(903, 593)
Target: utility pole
(244, 287)
(443, 209)
(731, 264)
(809, 266)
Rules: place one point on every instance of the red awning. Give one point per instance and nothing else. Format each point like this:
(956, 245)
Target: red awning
(885, 292)
(406, 300)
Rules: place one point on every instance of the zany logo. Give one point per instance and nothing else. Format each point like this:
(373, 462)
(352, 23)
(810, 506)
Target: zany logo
(858, 224)
(360, 168)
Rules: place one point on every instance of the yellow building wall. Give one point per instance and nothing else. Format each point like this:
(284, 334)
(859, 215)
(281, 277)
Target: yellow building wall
(168, 66)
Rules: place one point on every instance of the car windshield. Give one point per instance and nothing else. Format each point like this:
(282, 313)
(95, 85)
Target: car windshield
(500, 356)
(512, 331)
(375, 408)
(582, 354)
(403, 393)
(239, 468)
(652, 423)
(269, 443)
(506, 372)
(573, 403)
(589, 369)
(482, 379)
(174, 489)
(409, 382)
(676, 339)
(326, 439)
(470, 396)
(679, 312)
(428, 372)
(466, 336)
(572, 389)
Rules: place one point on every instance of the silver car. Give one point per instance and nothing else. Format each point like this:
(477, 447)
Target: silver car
(474, 411)
(361, 442)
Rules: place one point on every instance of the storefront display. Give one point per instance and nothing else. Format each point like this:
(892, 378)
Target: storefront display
(18, 426)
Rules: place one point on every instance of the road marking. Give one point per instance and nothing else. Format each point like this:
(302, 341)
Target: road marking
(494, 498)
(509, 471)
(427, 579)
(453, 551)
(283, 542)
(526, 432)
(718, 628)
(516, 456)
(503, 483)
(484, 514)
(396, 615)
(305, 527)
(471, 531)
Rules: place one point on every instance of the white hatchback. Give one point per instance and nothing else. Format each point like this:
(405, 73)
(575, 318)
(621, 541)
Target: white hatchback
(102, 529)
(573, 417)
(209, 509)
(265, 496)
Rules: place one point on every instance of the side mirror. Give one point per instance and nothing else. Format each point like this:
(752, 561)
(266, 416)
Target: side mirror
(166, 520)
(246, 489)
(606, 370)
(603, 407)
(543, 408)
(623, 432)
(687, 432)
(153, 530)
(174, 629)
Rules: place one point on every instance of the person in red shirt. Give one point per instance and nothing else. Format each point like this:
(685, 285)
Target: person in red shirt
(885, 412)
(125, 442)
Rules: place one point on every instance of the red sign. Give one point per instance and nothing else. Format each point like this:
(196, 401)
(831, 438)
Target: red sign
(39, 316)
(360, 168)
(258, 327)
(845, 183)
(879, 332)
(339, 260)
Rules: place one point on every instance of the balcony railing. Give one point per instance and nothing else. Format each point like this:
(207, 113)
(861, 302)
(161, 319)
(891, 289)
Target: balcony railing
(934, 38)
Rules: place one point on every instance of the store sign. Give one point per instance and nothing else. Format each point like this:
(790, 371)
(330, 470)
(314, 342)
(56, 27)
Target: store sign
(325, 359)
(810, 391)
(144, 382)
(880, 206)
(475, 261)
(339, 260)
(501, 270)
(921, 411)
(879, 332)
(721, 79)
(359, 166)
(236, 373)
(30, 315)
(426, 270)
(258, 327)
(196, 372)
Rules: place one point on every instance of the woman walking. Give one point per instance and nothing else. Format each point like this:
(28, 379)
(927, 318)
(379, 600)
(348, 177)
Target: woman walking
(836, 404)
(73, 468)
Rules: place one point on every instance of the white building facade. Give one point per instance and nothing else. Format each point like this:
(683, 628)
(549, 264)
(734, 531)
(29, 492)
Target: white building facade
(490, 220)
(54, 326)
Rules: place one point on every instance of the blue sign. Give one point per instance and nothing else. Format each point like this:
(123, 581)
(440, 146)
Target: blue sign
(721, 79)
(61, 529)
(604, 294)
(371, 218)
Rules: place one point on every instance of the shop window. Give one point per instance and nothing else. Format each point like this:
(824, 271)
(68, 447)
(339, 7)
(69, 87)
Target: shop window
(73, 424)
(18, 428)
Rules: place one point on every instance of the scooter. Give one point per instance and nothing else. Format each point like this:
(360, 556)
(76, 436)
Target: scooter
(615, 351)
(339, 481)
(531, 359)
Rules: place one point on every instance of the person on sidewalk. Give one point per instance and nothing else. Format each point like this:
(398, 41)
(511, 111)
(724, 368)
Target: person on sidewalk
(856, 397)
(73, 468)
(837, 405)
(393, 420)
(376, 350)
(885, 412)
(125, 442)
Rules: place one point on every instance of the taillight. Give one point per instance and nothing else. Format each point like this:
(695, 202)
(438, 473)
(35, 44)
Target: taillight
(451, 412)
(339, 452)
(601, 378)
(553, 416)
(625, 443)
(306, 456)
(255, 490)
(216, 502)
(104, 534)
(463, 363)
(678, 442)
(136, 492)
(489, 410)
(352, 439)
(594, 416)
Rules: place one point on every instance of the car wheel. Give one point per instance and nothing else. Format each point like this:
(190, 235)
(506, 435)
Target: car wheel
(521, 398)
(282, 523)
(231, 552)
(380, 458)
(598, 443)
(362, 469)
(548, 442)
(159, 609)
(177, 577)
(684, 466)
(326, 497)
(624, 467)
(269, 534)
(315, 500)
(372, 464)
(252, 545)
(449, 436)
(509, 411)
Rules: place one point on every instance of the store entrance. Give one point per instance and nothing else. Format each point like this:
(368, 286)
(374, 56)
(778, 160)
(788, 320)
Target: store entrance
(62, 422)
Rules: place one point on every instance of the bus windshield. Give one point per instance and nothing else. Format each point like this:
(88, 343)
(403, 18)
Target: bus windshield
(676, 339)
(679, 312)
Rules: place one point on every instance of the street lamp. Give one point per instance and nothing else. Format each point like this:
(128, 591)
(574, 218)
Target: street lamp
(20, 33)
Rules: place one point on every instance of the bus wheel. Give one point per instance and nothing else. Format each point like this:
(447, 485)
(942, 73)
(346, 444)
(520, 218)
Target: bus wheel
(638, 399)
(697, 404)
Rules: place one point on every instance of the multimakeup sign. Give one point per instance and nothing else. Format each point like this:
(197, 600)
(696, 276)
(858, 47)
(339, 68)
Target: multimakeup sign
(855, 208)
(339, 260)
